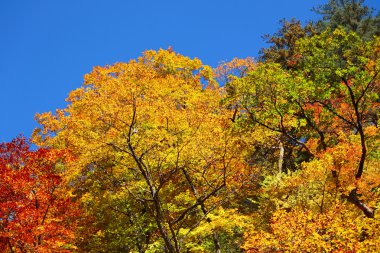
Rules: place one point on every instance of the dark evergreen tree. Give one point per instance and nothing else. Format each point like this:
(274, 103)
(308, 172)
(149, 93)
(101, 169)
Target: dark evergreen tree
(353, 15)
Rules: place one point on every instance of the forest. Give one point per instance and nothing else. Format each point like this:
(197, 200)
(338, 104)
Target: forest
(165, 154)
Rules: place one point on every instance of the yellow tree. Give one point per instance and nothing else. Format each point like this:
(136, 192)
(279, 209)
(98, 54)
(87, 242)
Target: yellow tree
(155, 149)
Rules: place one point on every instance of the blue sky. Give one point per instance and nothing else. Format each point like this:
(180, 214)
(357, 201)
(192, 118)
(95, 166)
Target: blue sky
(47, 46)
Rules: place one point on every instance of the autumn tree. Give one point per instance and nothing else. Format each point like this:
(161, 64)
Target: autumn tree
(174, 156)
(282, 47)
(354, 16)
(36, 215)
(309, 207)
(158, 161)
(347, 72)
(329, 108)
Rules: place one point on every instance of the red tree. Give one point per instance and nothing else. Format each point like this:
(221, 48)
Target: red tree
(35, 214)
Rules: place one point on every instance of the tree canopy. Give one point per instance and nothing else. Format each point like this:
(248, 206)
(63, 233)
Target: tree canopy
(167, 154)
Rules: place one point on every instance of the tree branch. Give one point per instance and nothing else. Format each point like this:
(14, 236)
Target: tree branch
(353, 198)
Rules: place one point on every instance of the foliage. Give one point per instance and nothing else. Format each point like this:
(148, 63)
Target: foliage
(283, 43)
(352, 15)
(166, 154)
(36, 215)
(153, 145)
(311, 210)
(330, 102)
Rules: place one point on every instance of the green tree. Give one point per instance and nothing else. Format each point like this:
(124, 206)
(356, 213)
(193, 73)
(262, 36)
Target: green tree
(353, 15)
(329, 106)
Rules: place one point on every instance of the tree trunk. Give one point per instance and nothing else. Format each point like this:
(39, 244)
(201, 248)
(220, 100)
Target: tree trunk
(281, 158)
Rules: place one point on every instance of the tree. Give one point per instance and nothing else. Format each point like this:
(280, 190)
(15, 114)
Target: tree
(155, 146)
(310, 210)
(327, 111)
(335, 89)
(346, 70)
(282, 47)
(353, 15)
(35, 214)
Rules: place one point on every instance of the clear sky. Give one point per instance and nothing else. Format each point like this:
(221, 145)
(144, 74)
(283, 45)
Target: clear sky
(47, 46)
